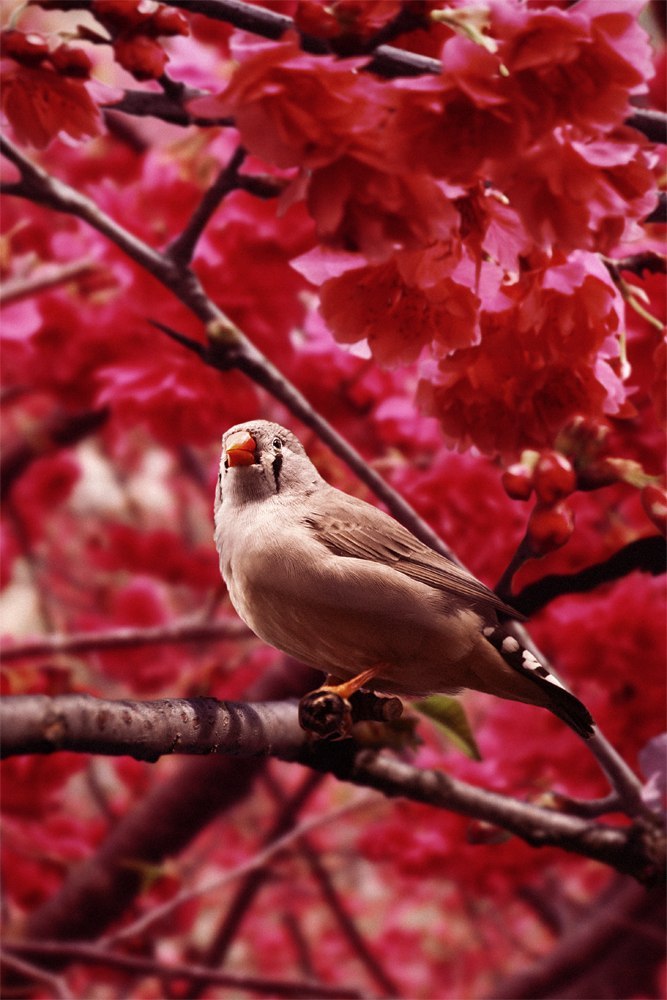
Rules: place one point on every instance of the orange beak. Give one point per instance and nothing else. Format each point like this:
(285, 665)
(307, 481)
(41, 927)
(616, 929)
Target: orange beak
(240, 449)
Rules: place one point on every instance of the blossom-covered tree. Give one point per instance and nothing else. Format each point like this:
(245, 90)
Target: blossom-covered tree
(428, 236)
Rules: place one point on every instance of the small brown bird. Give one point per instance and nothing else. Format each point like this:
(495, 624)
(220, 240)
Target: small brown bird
(342, 586)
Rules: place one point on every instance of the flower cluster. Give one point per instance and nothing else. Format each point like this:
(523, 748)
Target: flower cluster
(466, 207)
(43, 89)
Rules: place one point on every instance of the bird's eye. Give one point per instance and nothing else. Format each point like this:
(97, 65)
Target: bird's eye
(277, 444)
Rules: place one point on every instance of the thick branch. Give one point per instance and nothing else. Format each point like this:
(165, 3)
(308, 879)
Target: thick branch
(147, 730)
(98, 891)
(39, 724)
(638, 850)
(625, 930)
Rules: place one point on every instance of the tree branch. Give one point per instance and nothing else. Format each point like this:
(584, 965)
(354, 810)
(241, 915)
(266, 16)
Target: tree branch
(385, 60)
(228, 347)
(34, 973)
(147, 730)
(597, 950)
(167, 107)
(88, 954)
(98, 891)
(127, 638)
(284, 823)
(350, 931)
(44, 278)
(182, 249)
(650, 123)
(259, 860)
(646, 554)
(61, 430)
(659, 213)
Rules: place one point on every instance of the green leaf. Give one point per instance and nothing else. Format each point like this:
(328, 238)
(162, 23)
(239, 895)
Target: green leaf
(450, 716)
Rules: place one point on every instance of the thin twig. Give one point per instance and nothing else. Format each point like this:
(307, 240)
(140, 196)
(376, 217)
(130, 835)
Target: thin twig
(284, 822)
(33, 972)
(89, 954)
(166, 107)
(349, 929)
(258, 861)
(182, 249)
(46, 278)
(127, 638)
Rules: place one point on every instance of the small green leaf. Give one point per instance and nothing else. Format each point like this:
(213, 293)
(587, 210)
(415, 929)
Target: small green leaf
(451, 718)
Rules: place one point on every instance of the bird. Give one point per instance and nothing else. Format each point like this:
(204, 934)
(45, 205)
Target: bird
(340, 585)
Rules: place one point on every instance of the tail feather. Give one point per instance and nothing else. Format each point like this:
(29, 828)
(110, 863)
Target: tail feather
(561, 702)
(569, 709)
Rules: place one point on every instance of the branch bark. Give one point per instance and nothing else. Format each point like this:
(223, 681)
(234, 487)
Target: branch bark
(147, 730)
(645, 554)
(98, 891)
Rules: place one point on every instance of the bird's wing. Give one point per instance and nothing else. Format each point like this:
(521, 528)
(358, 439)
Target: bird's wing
(352, 528)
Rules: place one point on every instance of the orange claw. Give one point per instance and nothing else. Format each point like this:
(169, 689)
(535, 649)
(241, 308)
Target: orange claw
(240, 449)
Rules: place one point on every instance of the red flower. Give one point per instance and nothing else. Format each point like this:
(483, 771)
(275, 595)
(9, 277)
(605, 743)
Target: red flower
(575, 192)
(40, 102)
(298, 110)
(404, 304)
(355, 20)
(454, 124)
(557, 59)
(361, 208)
(141, 56)
(543, 360)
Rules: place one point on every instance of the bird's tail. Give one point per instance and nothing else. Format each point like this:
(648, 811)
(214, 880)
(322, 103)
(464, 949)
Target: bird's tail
(572, 711)
(558, 700)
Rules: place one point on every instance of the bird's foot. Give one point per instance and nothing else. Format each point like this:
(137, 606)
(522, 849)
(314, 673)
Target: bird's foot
(330, 711)
(326, 714)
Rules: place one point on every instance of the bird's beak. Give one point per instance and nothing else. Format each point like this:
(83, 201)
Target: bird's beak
(240, 449)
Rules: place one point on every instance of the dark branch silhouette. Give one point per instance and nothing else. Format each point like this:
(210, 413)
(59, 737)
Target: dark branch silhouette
(649, 555)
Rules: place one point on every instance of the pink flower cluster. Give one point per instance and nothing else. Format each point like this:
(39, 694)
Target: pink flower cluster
(458, 213)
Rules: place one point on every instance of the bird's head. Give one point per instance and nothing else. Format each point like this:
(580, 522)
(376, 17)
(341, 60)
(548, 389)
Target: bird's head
(261, 459)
